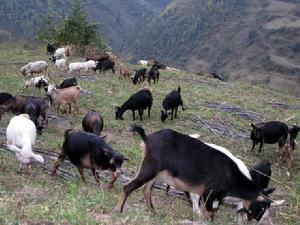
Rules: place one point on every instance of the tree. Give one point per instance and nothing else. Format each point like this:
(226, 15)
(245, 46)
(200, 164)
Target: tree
(73, 30)
(76, 30)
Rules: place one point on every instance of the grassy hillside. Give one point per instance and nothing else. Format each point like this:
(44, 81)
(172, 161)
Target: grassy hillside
(241, 39)
(38, 198)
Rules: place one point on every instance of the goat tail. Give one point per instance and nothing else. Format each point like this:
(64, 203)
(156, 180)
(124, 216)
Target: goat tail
(139, 130)
(66, 134)
(178, 89)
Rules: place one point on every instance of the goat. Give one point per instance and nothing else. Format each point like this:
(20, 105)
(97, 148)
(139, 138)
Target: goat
(62, 52)
(153, 74)
(92, 122)
(50, 49)
(59, 63)
(171, 102)
(191, 165)
(139, 76)
(63, 97)
(21, 136)
(90, 64)
(86, 150)
(124, 72)
(105, 65)
(143, 62)
(69, 82)
(76, 67)
(34, 67)
(4, 97)
(140, 101)
(268, 132)
(287, 147)
(37, 82)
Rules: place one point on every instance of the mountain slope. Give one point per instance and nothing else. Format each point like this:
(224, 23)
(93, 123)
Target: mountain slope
(21, 19)
(235, 37)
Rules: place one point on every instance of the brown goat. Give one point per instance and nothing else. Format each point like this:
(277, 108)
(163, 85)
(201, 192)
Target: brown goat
(92, 122)
(65, 96)
(124, 72)
(15, 105)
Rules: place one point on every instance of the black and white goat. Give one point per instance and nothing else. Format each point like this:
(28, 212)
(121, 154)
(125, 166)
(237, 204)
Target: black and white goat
(193, 166)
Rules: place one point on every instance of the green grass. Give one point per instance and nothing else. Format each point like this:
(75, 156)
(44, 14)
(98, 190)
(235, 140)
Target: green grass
(80, 203)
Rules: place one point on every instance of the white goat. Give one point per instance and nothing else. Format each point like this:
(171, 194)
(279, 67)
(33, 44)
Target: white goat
(89, 65)
(62, 52)
(21, 136)
(143, 62)
(60, 63)
(76, 67)
(34, 67)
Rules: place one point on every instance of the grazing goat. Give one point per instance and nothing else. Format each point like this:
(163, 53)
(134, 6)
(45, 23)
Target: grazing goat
(86, 150)
(21, 136)
(124, 72)
(92, 122)
(91, 64)
(139, 76)
(59, 63)
(105, 65)
(138, 101)
(34, 67)
(37, 82)
(191, 165)
(69, 82)
(171, 102)
(76, 67)
(153, 74)
(4, 97)
(287, 147)
(268, 132)
(62, 52)
(64, 97)
(51, 49)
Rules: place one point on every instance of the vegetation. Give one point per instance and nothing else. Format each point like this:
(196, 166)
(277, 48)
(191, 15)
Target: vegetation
(37, 197)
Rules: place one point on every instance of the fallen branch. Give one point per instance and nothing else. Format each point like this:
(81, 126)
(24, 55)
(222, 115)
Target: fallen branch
(283, 106)
(244, 113)
(219, 128)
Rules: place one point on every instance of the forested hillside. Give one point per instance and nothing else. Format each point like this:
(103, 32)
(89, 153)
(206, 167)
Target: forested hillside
(21, 19)
(238, 38)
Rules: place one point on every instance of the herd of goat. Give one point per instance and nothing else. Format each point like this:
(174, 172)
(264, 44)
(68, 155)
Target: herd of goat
(209, 174)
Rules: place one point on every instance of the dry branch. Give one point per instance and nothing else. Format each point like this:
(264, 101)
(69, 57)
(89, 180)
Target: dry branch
(283, 106)
(244, 113)
(220, 128)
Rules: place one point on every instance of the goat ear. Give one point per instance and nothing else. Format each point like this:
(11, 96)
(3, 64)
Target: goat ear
(252, 125)
(268, 191)
(162, 111)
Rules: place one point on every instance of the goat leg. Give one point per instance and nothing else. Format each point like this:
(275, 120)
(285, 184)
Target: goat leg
(80, 170)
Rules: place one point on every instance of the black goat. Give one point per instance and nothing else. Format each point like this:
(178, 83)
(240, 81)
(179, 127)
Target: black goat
(153, 74)
(139, 76)
(268, 132)
(69, 82)
(4, 97)
(171, 102)
(105, 65)
(51, 49)
(138, 101)
(86, 150)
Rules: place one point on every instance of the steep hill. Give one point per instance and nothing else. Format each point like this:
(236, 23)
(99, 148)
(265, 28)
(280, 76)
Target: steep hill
(20, 19)
(253, 39)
